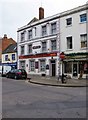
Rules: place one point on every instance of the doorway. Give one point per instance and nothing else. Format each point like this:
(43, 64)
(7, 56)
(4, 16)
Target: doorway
(53, 68)
(75, 71)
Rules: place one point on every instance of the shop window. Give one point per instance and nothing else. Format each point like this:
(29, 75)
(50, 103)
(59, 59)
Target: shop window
(32, 65)
(42, 65)
(22, 64)
(68, 67)
(22, 50)
(83, 66)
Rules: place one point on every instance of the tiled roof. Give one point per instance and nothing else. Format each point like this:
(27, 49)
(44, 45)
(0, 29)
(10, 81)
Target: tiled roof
(10, 49)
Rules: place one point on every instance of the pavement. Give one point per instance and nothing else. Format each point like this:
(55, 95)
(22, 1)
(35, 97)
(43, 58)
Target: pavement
(53, 81)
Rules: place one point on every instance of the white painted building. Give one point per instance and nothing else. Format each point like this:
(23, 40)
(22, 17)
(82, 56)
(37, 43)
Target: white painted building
(74, 42)
(38, 46)
(41, 41)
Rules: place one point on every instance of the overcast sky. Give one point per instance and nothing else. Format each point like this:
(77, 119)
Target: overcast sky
(17, 13)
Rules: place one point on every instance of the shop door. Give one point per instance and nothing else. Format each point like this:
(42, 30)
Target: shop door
(53, 64)
(75, 74)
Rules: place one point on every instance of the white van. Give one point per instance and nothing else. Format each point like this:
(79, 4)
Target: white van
(4, 69)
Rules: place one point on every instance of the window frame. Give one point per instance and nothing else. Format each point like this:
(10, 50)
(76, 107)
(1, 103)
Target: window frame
(32, 66)
(82, 41)
(83, 18)
(53, 28)
(44, 46)
(29, 50)
(44, 30)
(69, 21)
(30, 34)
(22, 36)
(53, 46)
(6, 57)
(70, 47)
(13, 57)
(22, 51)
(42, 65)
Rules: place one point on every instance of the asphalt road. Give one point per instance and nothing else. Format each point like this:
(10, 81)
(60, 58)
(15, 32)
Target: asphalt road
(26, 100)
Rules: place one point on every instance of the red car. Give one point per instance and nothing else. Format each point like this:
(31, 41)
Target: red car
(17, 74)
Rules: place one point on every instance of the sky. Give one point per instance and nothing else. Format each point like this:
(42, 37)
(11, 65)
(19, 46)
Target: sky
(17, 13)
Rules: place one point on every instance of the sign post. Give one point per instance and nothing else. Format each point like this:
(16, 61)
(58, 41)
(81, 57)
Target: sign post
(62, 56)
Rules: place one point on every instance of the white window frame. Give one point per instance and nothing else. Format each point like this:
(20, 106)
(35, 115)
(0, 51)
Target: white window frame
(83, 38)
(32, 65)
(68, 44)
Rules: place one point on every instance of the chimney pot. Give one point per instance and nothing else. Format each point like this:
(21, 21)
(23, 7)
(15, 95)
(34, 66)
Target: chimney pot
(41, 13)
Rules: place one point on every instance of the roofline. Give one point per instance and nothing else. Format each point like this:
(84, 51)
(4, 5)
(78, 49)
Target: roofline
(56, 16)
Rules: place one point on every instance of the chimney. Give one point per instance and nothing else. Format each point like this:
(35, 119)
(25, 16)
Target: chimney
(41, 13)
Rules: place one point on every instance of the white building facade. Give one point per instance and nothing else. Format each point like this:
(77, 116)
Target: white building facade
(74, 42)
(41, 42)
(38, 46)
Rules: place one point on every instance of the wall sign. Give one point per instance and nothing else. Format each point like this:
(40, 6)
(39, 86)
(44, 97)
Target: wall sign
(36, 47)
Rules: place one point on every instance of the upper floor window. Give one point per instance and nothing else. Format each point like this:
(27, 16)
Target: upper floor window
(22, 36)
(22, 50)
(6, 57)
(44, 31)
(29, 34)
(53, 28)
(43, 46)
(30, 48)
(69, 21)
(42, 65)
(83, 17)
(83, 40)
(53, 45)
(69, 42)
(13, 56)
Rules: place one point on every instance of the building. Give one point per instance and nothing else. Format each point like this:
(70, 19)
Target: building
(74, 42)
(4, 43)
(9, 56)
(40, 43)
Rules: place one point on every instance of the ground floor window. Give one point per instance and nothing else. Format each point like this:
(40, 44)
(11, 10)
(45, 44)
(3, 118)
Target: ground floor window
(68, 67)
(83, 67)
(22, 64)
(42, 65)
(32, 65)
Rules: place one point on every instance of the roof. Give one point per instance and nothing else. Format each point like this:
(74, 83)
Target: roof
(33, 20)
(10, 49)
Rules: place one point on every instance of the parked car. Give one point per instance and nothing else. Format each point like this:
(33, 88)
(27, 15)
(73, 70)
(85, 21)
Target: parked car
(17, 74)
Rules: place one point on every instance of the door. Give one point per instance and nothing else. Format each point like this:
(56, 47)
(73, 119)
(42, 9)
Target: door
(75, 73)
(52, 68)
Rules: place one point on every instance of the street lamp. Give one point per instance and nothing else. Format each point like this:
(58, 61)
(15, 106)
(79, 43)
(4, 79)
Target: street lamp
(62, 56)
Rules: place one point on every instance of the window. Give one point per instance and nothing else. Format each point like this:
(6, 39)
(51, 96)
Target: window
(22, 64)
(32, 65)
(53, 28)
(69, 21)
(43, 46)
(69, 42)
(43, 30)
(30, 48)
(6, 57)
(13, 56)
(68, 67)
(22, 36)
(42, 65)
(35, 31)
(83, 17)
(22, 50)
(53, 45)
(83, 40)
(29, 34)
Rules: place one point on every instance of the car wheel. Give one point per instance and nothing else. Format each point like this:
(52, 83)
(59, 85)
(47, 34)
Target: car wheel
(7, 76)
(15, 77)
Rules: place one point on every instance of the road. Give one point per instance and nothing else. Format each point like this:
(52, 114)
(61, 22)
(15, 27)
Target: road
(25, 100)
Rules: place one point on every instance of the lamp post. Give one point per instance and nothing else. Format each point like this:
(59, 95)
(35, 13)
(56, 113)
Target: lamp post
(62, 56)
